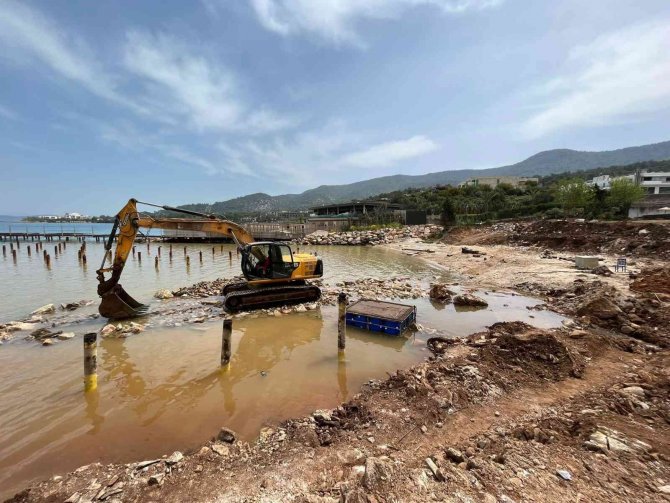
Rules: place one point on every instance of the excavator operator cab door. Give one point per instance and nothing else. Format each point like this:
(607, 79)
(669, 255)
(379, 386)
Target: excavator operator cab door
(268, 261)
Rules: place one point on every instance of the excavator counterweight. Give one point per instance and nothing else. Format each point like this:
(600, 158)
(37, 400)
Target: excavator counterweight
(274, 274)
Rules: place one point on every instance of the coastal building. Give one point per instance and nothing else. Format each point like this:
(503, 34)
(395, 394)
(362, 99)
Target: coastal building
(656, 203)
(604, 182)
(332, 217)
(494, 181)
(654, 183)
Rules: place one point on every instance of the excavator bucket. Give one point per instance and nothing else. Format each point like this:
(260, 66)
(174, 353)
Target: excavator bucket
(117, 304)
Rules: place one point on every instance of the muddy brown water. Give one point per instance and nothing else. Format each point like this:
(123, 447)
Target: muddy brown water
(162, 390)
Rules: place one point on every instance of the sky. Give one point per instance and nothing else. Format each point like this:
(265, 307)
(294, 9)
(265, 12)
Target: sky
(176, 102)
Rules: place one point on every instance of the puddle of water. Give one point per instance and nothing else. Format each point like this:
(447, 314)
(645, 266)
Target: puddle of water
(163, 390)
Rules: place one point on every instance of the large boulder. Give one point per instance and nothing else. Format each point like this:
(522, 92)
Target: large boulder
(440, 292)
(600, 307)
(468, 299)
(378, 471)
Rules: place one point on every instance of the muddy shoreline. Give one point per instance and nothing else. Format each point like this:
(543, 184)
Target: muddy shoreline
(509, 414)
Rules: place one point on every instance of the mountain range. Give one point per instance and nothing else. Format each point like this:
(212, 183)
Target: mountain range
(541, 164)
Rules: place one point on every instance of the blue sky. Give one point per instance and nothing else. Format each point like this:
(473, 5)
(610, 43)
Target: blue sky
(177, 102)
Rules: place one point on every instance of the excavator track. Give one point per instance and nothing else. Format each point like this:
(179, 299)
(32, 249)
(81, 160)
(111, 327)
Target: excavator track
(259, 298)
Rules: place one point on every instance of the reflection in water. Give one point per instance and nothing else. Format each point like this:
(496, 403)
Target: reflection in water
(94, 417)
(163, 390)
(342, 376)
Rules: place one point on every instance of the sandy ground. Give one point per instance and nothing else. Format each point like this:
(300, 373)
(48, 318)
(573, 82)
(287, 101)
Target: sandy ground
(580, 413)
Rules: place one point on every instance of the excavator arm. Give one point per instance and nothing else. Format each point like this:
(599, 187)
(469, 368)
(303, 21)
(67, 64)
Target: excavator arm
(128, 222)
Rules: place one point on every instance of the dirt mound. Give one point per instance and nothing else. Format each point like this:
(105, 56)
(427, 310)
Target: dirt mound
(645, 317)
(536, 352)
(616, 238)
(653, 281)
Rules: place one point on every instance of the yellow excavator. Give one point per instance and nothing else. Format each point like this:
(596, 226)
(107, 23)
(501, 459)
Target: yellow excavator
(274, 274)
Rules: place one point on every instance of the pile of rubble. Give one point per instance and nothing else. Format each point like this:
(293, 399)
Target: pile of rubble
(643, 316)
(373, 237)
(397, 287)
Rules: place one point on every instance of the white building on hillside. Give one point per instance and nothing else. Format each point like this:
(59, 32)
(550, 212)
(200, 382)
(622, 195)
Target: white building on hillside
(604, 182)
(654, 182)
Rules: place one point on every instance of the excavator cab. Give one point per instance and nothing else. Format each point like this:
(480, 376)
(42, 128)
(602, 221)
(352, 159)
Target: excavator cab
(267, 260)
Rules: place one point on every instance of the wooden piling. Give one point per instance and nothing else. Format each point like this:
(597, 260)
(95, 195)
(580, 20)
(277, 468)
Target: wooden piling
(184, 251)
(14, 255)
(11, 245)
(90, 361)
(55, 251)
(4, 250)
(139, 256)
(156, 262)
(200, 253)
(213, 251)
(48, 258)
(133, 252)
(226, 341)
(341, 321)
(230, 255)
(188, 261)
(159, 251)
(29, 252)
(83, 258)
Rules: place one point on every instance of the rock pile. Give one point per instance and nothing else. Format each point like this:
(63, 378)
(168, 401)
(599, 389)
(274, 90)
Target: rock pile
(373, 237)
(397, 287)
(644, 316)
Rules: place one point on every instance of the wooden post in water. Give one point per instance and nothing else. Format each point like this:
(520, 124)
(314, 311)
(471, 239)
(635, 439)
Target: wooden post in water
(29, 252)
(230, 256)
(139, 256)
(341, 321)
(55, 251)
(90, 361)
(184, 251)
(83, 258)
(188, 261)
(156, 262)
(14, 255)
(201, 257)
(48, 260)
(159, 251)
(225, 341)
(11, 245)
(4, 250)
(221, 248)
(213, 251)
(133, 252)
(60, 248)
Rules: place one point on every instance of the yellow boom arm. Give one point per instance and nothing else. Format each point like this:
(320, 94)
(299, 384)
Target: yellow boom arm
(128, 221)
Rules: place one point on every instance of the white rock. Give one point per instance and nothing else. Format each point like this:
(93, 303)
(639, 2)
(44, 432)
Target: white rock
(46, 309)
(163, 294)
(65, 335)
(108, 329)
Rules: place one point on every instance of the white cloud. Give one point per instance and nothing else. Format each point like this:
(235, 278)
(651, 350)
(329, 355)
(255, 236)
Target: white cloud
(205, 93)
(620, 75)
(336, 20)
(390, 153)
(8, 113)
(26, 30)
(304, 158)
